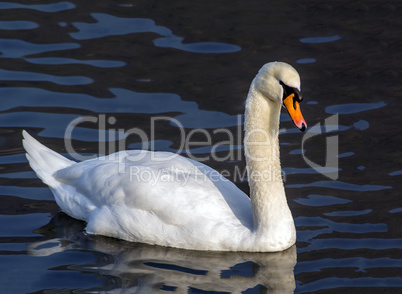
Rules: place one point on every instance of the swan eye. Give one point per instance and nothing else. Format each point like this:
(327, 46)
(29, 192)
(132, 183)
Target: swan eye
(290, 90)
(298, 95)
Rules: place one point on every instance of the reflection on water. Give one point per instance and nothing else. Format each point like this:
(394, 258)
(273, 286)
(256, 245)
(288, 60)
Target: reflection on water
(138, 268)
(131, 62)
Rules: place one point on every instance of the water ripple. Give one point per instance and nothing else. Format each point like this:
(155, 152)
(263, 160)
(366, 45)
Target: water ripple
(14, 227)
(309, 170)
(202, 47)
(321, 226)
(321, 200)
(361, 125)
(109, 25)
(44, 120)
(395, 173)
(123, 101)
(18, 25)
(306, 60)
(59, 60)
(41, 193)
(9, 75)
(351, 108)
(348, 213)
(345, 154)
(349, 244)
(189, 116)
(317, 40)
(335, 226)
(396, 210)
(18, 48)
(51, 7)
(341, 186)
(335, 282)
(353, 262)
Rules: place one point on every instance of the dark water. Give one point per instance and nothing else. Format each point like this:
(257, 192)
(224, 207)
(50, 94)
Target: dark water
(126, 62)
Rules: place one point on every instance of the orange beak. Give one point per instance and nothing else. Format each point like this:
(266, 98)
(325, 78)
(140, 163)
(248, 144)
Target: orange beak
(293, 108)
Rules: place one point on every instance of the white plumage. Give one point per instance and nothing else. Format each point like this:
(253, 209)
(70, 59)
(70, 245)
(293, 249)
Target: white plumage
(165, 199)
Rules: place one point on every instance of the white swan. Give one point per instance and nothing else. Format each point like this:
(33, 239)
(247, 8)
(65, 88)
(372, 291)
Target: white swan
(190, 206)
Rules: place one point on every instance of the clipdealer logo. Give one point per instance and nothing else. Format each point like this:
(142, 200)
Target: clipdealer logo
(111, 139)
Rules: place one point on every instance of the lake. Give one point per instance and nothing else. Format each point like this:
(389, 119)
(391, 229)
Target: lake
(93, 77)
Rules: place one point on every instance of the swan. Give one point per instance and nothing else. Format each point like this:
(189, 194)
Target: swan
(190, 205)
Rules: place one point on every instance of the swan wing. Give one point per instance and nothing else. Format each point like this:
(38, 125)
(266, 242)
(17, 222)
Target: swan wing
(154, 197)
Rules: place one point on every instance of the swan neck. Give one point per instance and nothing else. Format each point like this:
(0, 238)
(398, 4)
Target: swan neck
(261, 138)
(267, 193)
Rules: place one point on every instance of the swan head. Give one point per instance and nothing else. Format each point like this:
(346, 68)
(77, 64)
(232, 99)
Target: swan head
(280, 82)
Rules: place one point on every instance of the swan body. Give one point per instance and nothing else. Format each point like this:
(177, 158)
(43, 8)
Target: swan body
(166, 199)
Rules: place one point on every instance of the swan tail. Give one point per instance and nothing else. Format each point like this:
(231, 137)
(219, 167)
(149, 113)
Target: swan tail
(44, 161)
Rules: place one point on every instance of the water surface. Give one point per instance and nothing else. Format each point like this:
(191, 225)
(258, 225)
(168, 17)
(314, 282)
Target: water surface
(123, 64)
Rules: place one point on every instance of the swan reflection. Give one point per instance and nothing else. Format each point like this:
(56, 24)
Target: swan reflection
(138, 268)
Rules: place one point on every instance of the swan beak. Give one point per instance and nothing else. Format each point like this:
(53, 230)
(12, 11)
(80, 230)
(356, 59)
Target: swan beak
(293, 107)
